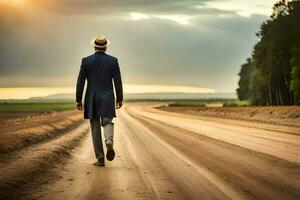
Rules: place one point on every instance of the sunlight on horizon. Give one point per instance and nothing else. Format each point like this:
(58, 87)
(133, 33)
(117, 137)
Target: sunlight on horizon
(28, 92)
(132, 88)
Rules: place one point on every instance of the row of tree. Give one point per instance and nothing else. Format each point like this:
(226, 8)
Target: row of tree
(272, 75)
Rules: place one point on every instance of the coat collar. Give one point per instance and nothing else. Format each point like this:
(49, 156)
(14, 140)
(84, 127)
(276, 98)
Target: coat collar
(99, 52)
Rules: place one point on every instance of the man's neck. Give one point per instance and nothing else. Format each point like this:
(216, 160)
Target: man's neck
(99, 51)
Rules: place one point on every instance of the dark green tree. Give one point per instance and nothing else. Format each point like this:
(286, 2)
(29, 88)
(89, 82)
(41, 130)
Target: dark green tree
(295, 51)
(258, 88)
(295, 83)
(243, 91)
(272, 81)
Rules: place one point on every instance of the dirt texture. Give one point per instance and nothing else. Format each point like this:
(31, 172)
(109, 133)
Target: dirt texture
(281, 115)
(25, 130)
(31, 147)
(168, 155)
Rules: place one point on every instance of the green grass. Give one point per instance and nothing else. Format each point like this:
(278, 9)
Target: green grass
(35, 106)
(236, 103)
(187, 104)
(205, 102)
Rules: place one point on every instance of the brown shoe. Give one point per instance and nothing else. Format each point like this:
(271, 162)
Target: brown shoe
(110, 154)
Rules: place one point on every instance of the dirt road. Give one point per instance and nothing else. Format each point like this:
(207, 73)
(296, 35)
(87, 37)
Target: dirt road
(159, 155)
(163, 155)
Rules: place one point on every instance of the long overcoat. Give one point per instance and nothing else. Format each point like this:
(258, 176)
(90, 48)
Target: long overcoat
(101, 71)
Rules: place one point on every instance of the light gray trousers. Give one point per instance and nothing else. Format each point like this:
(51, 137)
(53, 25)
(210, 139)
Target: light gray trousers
(108, 129)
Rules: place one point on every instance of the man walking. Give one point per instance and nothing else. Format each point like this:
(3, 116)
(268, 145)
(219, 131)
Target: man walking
(100, 70)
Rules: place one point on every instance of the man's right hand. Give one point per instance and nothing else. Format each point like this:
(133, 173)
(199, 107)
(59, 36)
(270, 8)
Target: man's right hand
(79, 106)
(119, 104)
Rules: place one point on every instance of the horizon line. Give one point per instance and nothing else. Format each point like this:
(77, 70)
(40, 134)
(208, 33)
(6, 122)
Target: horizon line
(28, 92)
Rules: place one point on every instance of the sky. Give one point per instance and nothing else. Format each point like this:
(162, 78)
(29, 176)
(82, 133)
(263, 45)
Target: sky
(161, 45)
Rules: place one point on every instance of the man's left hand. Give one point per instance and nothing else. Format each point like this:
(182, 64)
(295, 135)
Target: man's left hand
(79, 106)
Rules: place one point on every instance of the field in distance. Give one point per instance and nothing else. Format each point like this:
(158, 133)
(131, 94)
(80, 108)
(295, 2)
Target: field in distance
(35, 106)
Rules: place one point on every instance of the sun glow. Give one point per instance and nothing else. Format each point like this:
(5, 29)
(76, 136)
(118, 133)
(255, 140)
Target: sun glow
(179, 19)
(138, 16)
(27, 92)
(12, 2)
(132, 88)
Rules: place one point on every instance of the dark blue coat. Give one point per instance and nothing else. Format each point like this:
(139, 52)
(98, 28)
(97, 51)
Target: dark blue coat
(99, 70)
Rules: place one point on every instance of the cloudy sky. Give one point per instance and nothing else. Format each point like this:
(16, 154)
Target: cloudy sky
(186, 43)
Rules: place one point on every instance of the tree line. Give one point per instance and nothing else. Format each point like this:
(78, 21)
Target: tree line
(272, 75)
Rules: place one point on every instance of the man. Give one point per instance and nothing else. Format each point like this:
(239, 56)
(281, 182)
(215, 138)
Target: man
(100, 69)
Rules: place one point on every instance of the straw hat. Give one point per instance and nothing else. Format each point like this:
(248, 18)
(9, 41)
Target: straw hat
(100, 41)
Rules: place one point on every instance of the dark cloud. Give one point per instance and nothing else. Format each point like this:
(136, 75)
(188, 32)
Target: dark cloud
(195, 57)
(113, 6)
(40, 48)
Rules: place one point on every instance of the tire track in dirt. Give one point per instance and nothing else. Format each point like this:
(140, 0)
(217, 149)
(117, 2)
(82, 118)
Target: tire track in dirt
(145, 168)
(282, 145)
(159, 156)
(28, 168)
(254, 174)
(185, 179)
(36, 119)
(18, 137)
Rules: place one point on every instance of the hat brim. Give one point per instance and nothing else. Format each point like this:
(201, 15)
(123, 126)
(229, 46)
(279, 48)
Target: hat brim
(99, 46)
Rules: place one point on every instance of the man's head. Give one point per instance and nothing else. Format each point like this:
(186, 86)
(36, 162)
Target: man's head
(100, 43)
